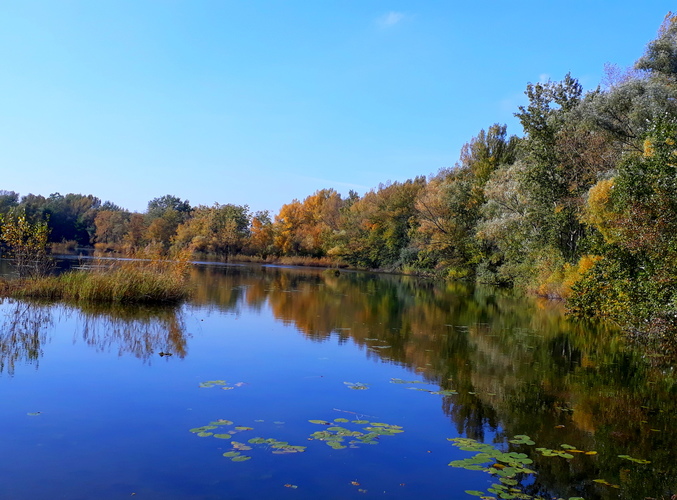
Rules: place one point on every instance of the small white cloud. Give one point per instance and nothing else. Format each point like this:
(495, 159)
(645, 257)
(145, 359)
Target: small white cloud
(543, 78)
(390, 19)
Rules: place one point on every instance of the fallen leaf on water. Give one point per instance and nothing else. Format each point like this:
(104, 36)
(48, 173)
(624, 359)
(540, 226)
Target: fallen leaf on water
(293, 486)
(354, 483)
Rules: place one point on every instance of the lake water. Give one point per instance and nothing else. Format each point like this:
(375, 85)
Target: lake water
(390, 369)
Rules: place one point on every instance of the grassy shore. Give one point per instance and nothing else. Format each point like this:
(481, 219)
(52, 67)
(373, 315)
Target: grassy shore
(125, 282)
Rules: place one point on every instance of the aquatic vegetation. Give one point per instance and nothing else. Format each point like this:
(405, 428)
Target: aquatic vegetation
(445, 392)
(220, 383)
(358, 386)
(509, 467)
(212, 383)
(606, 483)
(335, 436)
(636, 460)
(277, 447)
(122, 282)
(400, 381)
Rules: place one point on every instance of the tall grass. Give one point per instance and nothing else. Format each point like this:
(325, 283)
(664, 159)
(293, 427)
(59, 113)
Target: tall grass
(150, 281)
(289, 260)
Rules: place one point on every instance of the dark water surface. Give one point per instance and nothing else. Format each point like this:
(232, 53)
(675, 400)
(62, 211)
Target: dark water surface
(91, 410)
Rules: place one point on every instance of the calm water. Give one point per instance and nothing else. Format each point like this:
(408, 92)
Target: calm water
(90, 409)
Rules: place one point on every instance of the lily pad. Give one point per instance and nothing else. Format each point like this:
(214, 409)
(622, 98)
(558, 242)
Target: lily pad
(358, 386)
(212, 383)
(221, 421)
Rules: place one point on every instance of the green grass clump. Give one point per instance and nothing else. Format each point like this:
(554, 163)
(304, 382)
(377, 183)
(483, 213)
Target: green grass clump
(129, 282)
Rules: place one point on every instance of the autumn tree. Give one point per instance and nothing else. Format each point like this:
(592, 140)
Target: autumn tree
(376, 230)
(220, 229)
(111, 227)
(449, 207)
(308, 227)
(163, 216)
(25, 243)
(262, 234)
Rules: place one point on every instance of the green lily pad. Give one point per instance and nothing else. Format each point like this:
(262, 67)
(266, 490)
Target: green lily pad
(241, 458)
(221, 422)
(358, 386)
(223, 436)
(212, 383)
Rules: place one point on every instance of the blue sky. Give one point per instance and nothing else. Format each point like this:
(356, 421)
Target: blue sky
(260, 102)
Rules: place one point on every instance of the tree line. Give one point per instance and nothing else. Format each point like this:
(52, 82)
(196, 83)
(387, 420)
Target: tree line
(582, 206)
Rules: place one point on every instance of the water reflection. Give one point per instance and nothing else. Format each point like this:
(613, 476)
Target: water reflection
(137, 331)
(518, 365)
(22, 334)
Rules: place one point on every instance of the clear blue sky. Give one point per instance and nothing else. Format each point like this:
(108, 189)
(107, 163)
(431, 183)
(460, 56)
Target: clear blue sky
(259, 102)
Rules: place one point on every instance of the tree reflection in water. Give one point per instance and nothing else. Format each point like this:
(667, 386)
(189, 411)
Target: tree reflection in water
(138, 331)
(518, 365)
(22, 334)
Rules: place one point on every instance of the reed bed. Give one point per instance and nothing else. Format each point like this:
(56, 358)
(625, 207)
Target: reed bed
(119, 282)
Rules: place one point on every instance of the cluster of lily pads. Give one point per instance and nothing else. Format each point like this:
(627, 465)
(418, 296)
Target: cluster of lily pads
(335, 436)
(220, 383)
(565, 451)
(509, 467)
(205, 430)
(358, 386)
(278, 447)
